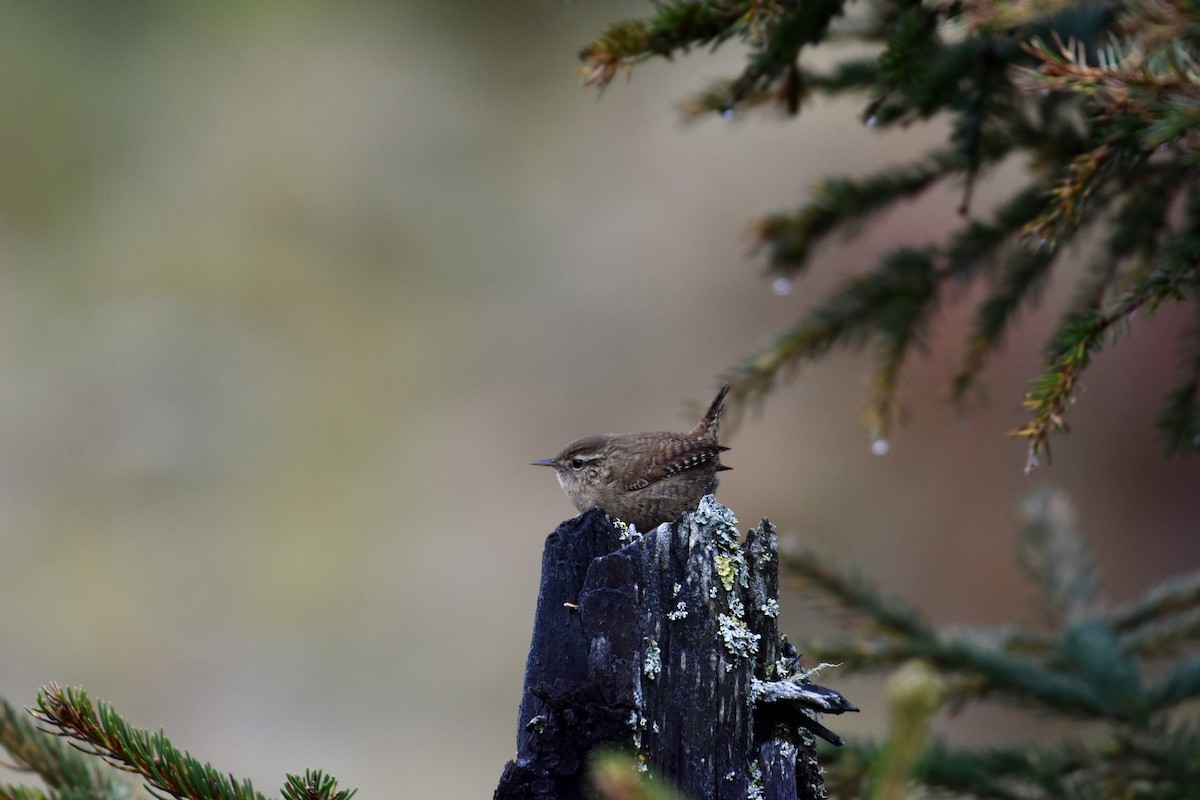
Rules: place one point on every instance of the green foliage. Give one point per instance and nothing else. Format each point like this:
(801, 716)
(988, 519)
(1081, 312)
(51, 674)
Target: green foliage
(66, 772)
(1123, 673)
(74, 772)
(1102, 100)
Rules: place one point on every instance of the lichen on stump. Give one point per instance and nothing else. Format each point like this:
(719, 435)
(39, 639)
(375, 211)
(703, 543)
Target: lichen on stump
(667, 645)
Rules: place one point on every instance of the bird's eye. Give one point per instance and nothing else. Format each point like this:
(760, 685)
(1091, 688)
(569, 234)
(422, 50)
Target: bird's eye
(577, 463)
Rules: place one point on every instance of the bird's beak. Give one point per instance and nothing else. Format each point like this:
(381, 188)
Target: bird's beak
(544, 462)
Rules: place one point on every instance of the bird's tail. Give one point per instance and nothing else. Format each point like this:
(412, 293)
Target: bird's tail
(710, 425)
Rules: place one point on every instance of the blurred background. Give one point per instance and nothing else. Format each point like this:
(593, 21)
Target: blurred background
(293, 292)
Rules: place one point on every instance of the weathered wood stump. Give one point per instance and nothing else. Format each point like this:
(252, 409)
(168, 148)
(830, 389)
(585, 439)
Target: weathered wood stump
(666, 645)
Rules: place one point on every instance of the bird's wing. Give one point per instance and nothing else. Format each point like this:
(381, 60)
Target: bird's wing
(673, 454)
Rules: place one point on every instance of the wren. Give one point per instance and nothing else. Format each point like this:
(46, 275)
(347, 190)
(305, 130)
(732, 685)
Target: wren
(643, 478)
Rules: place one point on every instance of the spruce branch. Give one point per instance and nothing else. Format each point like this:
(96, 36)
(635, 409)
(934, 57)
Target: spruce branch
(314, 785)
(62, 768)
(1091, 667)
(902, 326)
(1175, 597)
(912, 41)
(801, 85)
(1113, 667)
(1052, 394)
(677, 27)
(10, 792)
(1157, 763)
(975, 668)
(852, 593)
(841, 204)
(1019, 680)
(1136, 233)
(1181, 683)
(1055, 556)
(1024, 274)
(1166, 637)
(979, 245)
(100, 731)
(776, 32)
(1101, 100)
(1084, 176)
(936, 86)
(996, 774)
(1160, 87)
(786, 28)
(890, 302)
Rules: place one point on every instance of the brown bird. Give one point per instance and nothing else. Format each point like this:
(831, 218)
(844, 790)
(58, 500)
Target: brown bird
(643, 478)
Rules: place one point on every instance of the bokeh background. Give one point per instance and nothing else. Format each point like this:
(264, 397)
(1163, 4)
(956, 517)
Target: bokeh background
(292, 292)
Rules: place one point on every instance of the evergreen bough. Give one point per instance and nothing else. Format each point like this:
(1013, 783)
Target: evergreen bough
(76, 735)
(1127, 671)
(1101, 100)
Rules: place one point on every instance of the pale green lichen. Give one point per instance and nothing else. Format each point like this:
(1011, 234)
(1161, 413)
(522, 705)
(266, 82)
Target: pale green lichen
(806, 674)
(722, 541)
(712, 514)
(770, 608)
(755, 790)
(625, 532)
(652, 664)
(636, 723)
(736, 607)
(729, 560)
(680, 611)
(725, 570)
(740, 570)
(739, 640)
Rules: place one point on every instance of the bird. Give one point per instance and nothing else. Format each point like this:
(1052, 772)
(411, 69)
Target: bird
(643, 479)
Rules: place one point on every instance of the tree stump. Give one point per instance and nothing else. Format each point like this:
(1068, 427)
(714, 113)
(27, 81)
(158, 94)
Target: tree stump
(666, 645)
